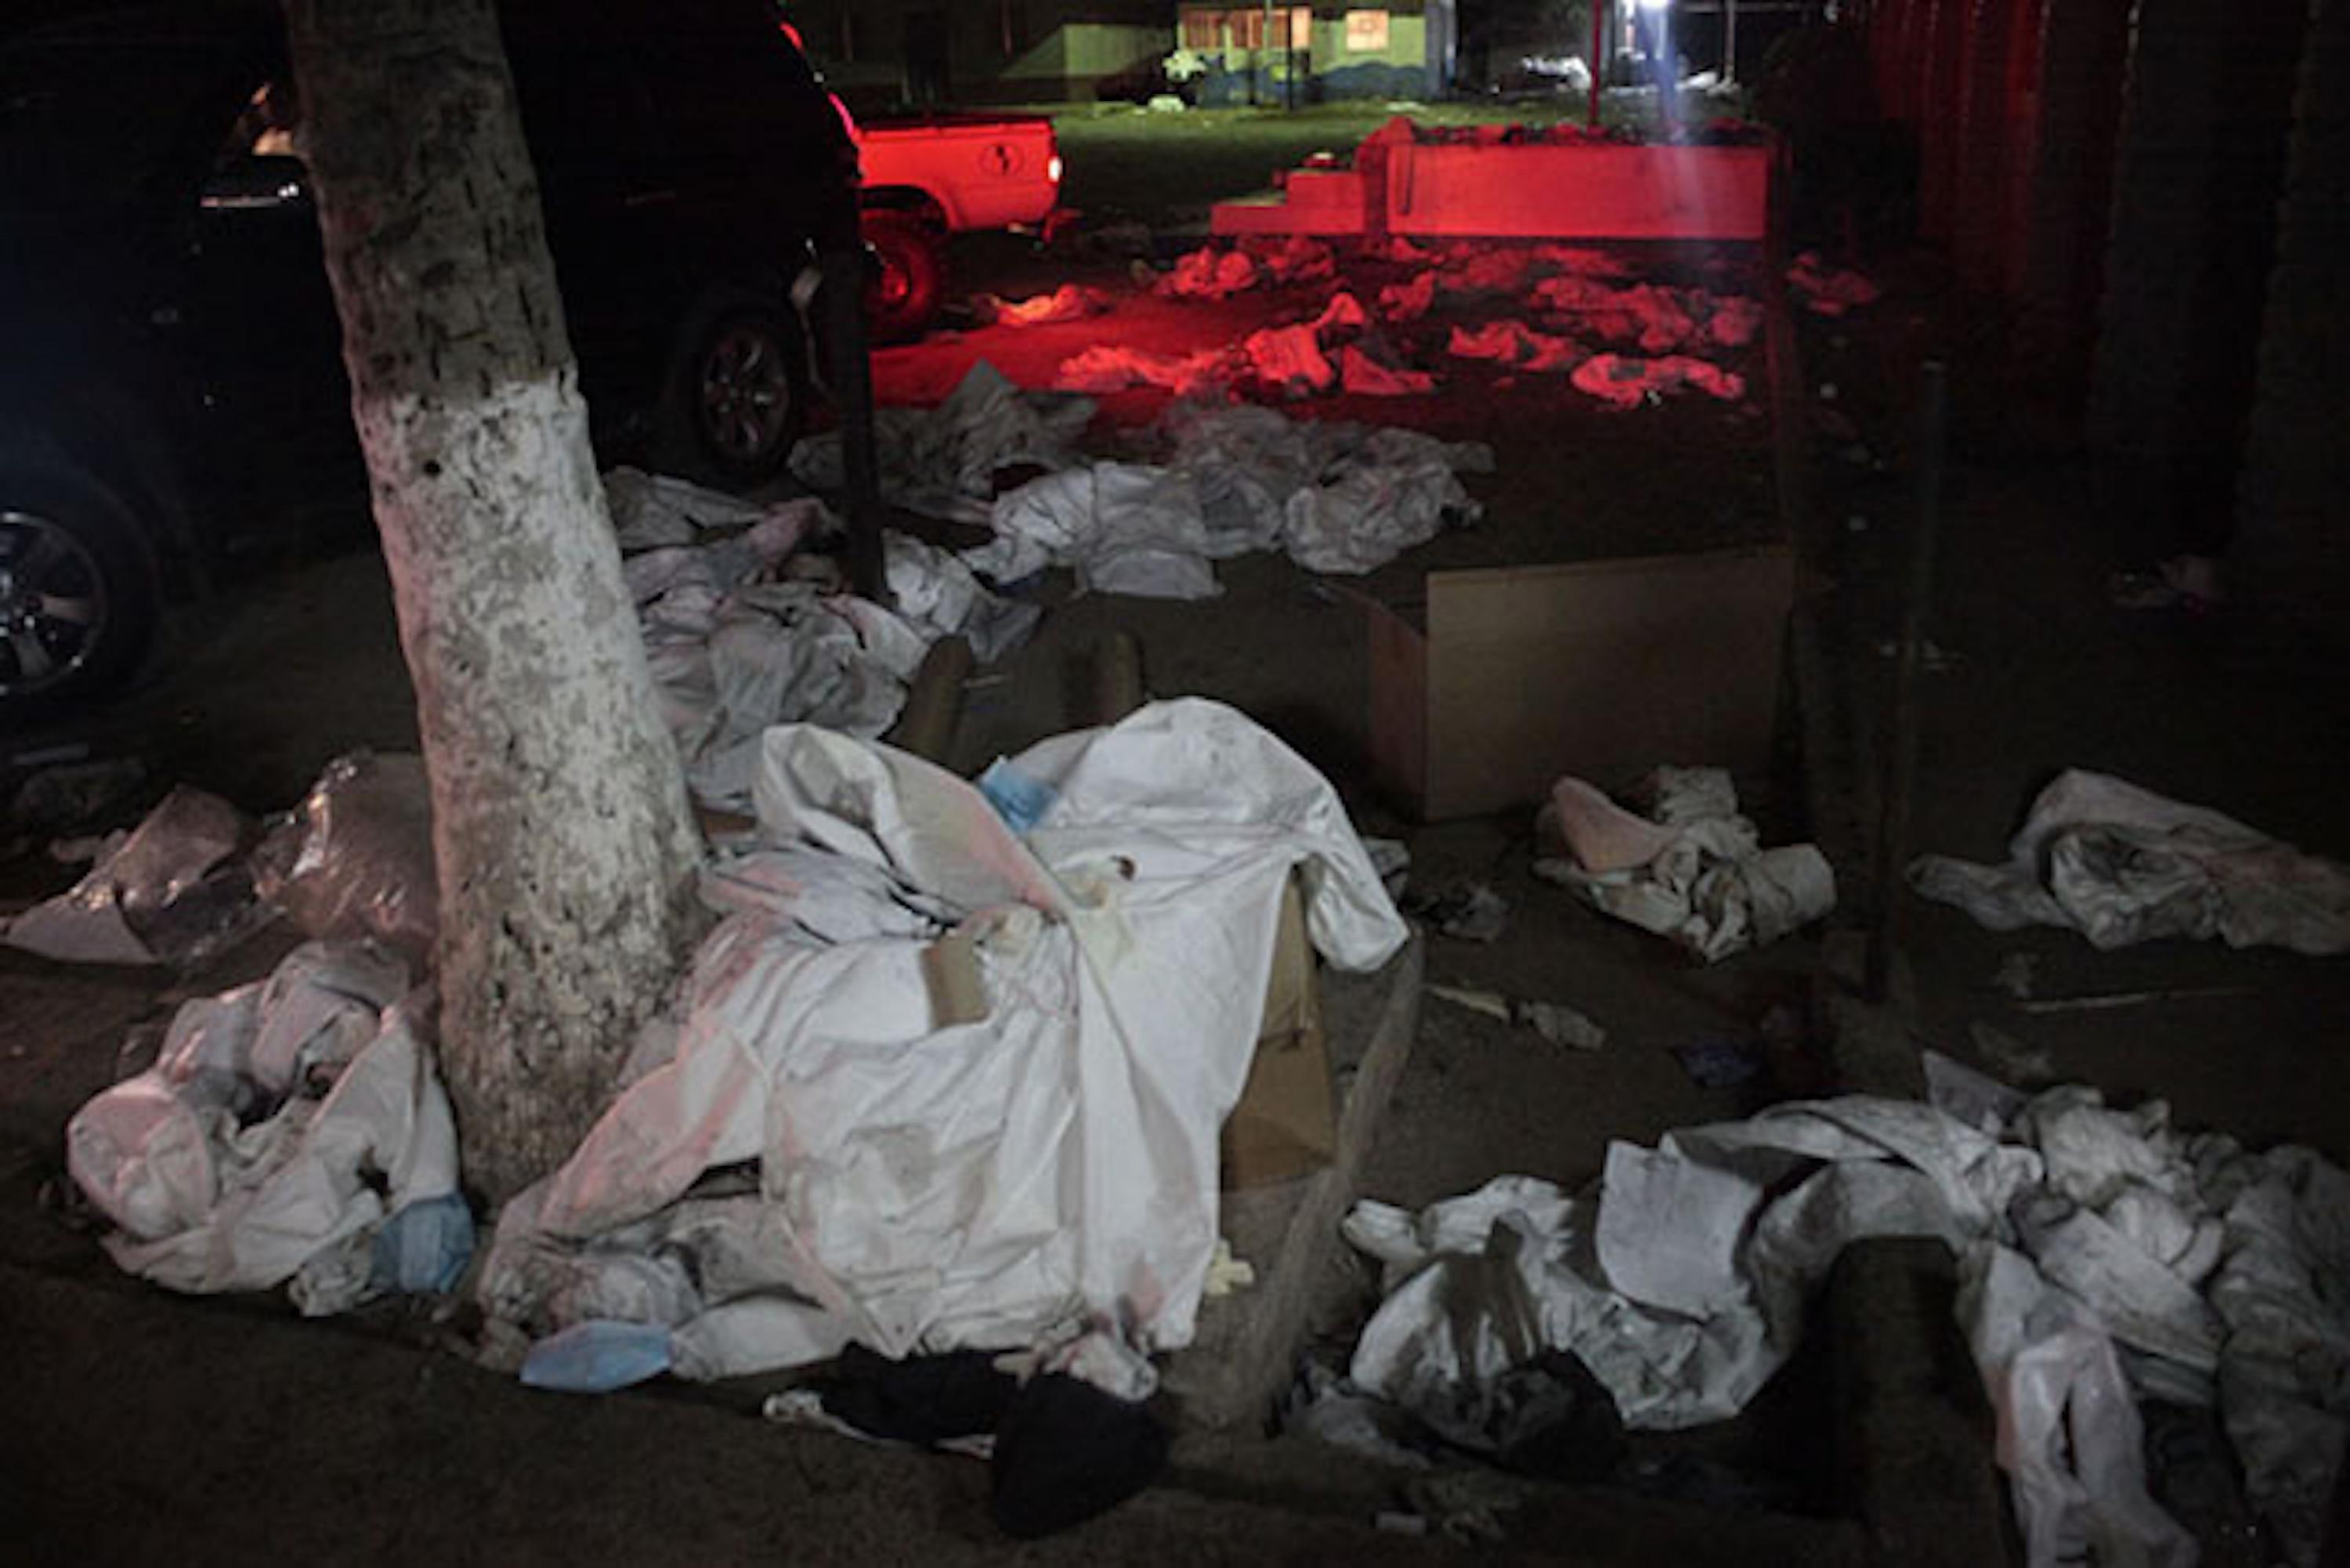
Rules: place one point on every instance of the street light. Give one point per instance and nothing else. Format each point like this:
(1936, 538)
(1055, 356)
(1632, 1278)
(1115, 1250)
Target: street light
(1661, 34)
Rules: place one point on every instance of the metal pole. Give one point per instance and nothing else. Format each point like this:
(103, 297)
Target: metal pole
(1598, 62)
(851, 375)
(1901, 765)
(1729, 40)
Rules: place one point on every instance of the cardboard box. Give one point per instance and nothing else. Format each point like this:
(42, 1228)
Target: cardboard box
(1284, 1126)
(1602, 669)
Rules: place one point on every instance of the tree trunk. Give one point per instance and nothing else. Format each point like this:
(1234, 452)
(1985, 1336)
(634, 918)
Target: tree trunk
(561, 830)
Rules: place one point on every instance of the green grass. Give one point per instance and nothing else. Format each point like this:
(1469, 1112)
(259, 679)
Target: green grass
(1128, 164)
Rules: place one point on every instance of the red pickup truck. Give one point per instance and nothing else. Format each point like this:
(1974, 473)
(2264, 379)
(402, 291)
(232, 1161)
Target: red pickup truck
(946, 174)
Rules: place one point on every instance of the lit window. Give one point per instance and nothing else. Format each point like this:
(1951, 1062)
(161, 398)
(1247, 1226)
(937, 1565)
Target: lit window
(1366, 32)
(1248, 28)
(1301, 27)
(1202, 30)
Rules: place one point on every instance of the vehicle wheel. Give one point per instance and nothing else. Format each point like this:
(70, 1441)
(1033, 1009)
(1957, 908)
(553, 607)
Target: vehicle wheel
(738, 392)
(911, 284)
(78, 591)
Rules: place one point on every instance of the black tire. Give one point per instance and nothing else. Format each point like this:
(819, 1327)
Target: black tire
(738, 392)
(910, 279)
(78, 597)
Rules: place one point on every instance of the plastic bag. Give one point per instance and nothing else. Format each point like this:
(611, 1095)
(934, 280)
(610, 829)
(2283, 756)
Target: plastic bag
(177, 891)
(355, 858)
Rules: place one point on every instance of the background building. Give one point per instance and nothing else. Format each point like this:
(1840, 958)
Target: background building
(930, 53)
(1294, 54)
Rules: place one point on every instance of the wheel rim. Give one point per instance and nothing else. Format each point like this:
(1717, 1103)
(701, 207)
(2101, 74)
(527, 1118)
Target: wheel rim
(53, 603)
(894, 287)
(746, 393)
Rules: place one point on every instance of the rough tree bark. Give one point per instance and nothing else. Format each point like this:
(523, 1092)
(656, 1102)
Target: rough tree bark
(561, 829)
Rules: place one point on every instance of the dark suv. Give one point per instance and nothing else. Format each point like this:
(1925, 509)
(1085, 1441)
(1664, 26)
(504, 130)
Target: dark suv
(170, 379)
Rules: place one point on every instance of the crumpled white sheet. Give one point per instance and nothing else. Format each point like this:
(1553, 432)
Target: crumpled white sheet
(1115, 367)
(1127, 528)
(943, 461)
(651, 510)
(985, 1183)
(2121, 864)
(1400, 489)
(1337, 496)
(1624, 382)
(1514, 344)
(1212, 273)
(1697, 875)
(733, 652)
(1365, 377)
(1680, 1281)
(2069, 1435)
(1826, 290)
(280, 1119)
(2284, 1366)
(1070, 302)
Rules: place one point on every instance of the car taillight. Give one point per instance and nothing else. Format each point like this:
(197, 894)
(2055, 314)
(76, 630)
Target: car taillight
(1053, 168)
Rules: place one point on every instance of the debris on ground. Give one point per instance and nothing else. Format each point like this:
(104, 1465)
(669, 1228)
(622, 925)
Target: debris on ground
(1554, 1021)
(1680, 1280)
(1211, 273)
(1051, 1190)
(2107, 1000)
(1516, 345)
(1070, 302)
(1468, 1507)
(1465, 912)
(1115, 367)
(1338, 497)
(1227, 1275)
(2120, 864)
(1391, 858)
(1365, 377)
(283, 1124)
(649, 510)
(948, 461)
(61, 797)
(1289, 360)
(2009, 1057)
(197, 876)
(354, 859)
(1124, 528)
(1694, 872)
(1624, 382)
(597, 1357)
(746, 630)
(2016, 975)
(1324, 1406)
(1060, 1449)
(796, 1053)
(1720, 1063)
(1826, 290)
(177, 890)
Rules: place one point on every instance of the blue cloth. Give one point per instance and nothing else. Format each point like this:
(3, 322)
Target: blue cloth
(1022, 800)
(597, 1357)
(424, 1248)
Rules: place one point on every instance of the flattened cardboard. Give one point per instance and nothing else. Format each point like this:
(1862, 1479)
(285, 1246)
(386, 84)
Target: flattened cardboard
(950, 975)
(1284, 1126)
(1602, 669)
